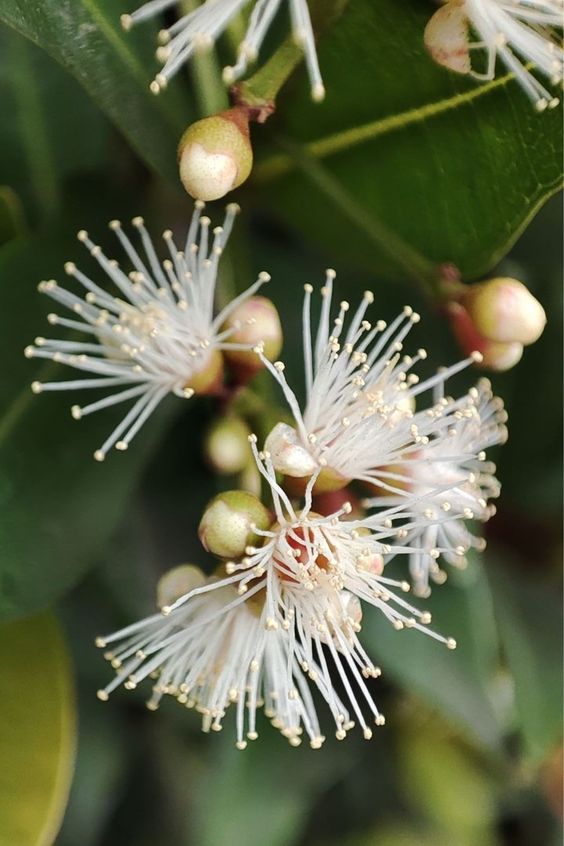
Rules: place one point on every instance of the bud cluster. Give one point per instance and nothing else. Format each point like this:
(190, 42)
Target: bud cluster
(498, 317)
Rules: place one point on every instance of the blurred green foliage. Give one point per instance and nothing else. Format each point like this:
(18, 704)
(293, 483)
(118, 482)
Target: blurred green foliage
(457, 170)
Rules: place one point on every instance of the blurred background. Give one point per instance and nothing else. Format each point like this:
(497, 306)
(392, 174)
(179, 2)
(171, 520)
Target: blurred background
(471, 754)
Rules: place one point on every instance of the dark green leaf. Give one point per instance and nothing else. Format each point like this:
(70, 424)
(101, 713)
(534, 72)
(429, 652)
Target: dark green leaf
(52, 129)
(114, 67)
(455, 167)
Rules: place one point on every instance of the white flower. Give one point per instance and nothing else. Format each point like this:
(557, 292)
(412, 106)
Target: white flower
(286, 615)
(156, 335)
(212, 651)
(520, 32)
(316, 571)
(198, 30)
(359, 413)
(456, 463)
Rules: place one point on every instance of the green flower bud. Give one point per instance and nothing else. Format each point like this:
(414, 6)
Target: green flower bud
(215, 154)
(226, 446)
(254, 322)
(178, 582)
(229, 522)
(504, 310)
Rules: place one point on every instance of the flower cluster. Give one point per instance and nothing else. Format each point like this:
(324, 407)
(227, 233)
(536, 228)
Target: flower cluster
(157, 334)
(278, 624)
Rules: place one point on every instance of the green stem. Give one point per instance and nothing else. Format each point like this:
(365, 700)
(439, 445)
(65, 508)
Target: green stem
(263, 86)
(206, 73)
(418, 268)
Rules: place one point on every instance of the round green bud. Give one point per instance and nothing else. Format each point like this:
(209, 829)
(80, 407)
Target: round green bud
(229, 523)
(215, 154)
(226, 446)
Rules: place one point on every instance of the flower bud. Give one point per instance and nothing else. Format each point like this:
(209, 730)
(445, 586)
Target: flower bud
(288, 454)
(226, 446)
(178, 582)
(504, 310)
(495, 356)
(446, 38)
(215, 154)
(254, 322)
(229, 522)
(209, 378)
(500, 357)
(297, 464)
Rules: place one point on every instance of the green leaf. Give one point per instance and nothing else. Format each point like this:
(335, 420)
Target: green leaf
(264, 792)
(37, 730)
(115, 68)
(454, 682)
(58, 505)
(456, 168)
(530, 625)
(53, 130)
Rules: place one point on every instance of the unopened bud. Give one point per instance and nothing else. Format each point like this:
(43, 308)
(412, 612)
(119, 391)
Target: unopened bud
(254, 322)
(209, 378)
(226, 446)
(229, 522)
(446, 38)
(501, 357)
(178, 582)
(494, 356)
(298, 463)
(288, 454)
(215, 154)
(504, 310)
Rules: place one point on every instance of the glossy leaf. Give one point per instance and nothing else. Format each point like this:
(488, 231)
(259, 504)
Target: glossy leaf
(455, 167)
(114, 67)
(52, 129)
(37, 731)
(58, 505)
